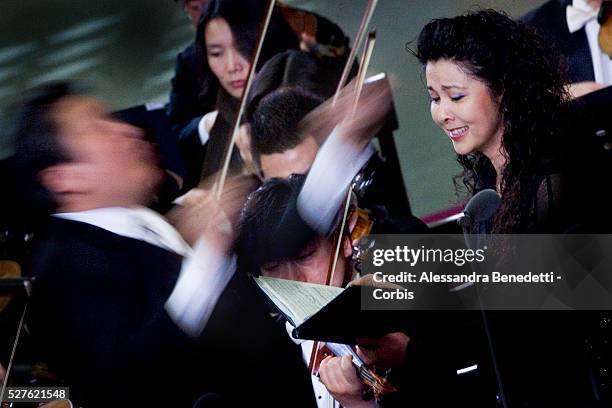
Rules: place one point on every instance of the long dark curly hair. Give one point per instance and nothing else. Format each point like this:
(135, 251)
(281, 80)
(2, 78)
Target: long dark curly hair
(529, 79)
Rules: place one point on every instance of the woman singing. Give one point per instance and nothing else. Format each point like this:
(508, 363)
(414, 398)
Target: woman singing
(498, 93)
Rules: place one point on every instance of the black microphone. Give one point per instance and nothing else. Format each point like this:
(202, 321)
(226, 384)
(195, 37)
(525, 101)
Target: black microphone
(478, 211)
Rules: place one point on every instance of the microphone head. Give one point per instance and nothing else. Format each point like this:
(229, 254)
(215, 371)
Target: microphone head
(483, 205)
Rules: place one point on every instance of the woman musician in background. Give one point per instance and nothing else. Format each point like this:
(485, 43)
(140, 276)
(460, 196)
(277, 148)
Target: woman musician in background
(225, 43)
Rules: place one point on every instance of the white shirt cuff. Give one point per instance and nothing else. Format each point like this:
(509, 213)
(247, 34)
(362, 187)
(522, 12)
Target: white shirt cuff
(204, 135)
(328, 180)
(204, 275)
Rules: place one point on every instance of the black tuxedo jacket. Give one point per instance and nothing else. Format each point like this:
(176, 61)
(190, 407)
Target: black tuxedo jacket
(549, 20)
(98, 318)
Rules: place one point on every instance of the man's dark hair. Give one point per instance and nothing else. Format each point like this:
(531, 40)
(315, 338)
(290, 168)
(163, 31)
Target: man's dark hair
(271, 228)
(36, 143)
(291, 68)
(274, 122)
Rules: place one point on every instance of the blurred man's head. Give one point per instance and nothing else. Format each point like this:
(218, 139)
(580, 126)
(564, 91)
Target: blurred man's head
(194, 9)
(275, 243)
(278, 149)
(71, 155)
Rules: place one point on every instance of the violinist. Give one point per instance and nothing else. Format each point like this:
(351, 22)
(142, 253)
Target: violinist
(277, 148)
(304, 258)
(282, 96)
(225, 41)
(301, 254)
(186, 108)
(287, 88)
(284, 236)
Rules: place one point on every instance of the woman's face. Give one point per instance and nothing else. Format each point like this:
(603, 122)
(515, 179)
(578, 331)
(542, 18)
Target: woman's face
(228, 65)
(464, 108)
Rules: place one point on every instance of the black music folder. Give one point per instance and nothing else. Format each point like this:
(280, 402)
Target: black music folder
(328, 313)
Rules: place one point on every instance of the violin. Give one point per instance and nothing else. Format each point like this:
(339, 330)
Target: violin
(361, 223)
(604, 18)
(377, 385)
(300, 21)
(305, 24)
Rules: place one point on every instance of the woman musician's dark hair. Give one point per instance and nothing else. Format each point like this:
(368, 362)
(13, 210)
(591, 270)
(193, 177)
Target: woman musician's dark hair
(244, 18)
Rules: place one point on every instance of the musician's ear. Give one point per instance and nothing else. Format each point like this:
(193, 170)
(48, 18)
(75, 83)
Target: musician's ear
(347, 248)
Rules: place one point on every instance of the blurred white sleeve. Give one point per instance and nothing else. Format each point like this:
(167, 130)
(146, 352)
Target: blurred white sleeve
(204, 275)
(336, 164)
(206, 123)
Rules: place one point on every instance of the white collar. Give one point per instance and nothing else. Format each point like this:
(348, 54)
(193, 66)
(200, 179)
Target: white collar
(582, 5)
(137, 222)
(579, 15)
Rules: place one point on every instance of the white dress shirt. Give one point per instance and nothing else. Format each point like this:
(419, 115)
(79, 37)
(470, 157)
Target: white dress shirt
(602, 64)
(323, 397)
(324, 191)
(210, 117)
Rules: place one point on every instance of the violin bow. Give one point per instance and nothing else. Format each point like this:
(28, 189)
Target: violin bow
(365, 20)
(219, 184)
(367, 55)
(378, 385)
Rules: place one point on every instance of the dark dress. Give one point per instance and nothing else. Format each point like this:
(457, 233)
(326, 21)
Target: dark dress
(540, 358)
(541, 354)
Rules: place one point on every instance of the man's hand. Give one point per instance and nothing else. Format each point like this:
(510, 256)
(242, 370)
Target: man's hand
(578, 89)
(201, 214)
(359, 123)
(383, 352)
(208, 120)
(340, 378)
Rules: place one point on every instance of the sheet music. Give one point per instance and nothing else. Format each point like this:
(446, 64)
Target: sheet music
(298, 300)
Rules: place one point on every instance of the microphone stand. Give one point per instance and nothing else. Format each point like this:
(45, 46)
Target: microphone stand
(476, 212)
